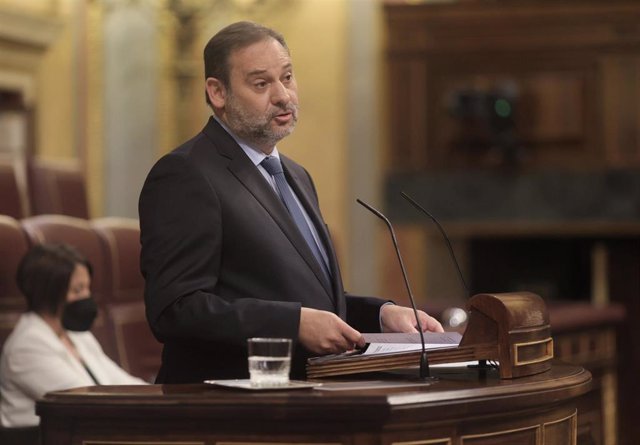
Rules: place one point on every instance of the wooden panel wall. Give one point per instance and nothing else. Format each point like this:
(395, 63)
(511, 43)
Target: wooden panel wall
(572, 67)
(521, 88)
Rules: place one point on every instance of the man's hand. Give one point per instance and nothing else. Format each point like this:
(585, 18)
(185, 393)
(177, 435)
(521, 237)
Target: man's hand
(323, 332)
(402, 319)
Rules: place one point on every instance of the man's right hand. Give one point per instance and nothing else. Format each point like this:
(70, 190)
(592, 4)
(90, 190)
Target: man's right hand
(323, 332)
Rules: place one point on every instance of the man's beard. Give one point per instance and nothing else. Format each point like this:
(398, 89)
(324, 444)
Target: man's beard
(257, 129)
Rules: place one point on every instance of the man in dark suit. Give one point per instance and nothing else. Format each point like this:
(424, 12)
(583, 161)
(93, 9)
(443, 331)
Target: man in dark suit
(233, 242)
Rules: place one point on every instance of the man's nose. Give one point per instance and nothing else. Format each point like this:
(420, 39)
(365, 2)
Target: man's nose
(280, 94)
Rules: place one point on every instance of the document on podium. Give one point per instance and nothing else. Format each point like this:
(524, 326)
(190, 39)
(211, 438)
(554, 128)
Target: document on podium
(401, 342)
(385, 352)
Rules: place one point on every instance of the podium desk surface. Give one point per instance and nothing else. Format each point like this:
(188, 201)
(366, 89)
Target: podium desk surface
(457, 393)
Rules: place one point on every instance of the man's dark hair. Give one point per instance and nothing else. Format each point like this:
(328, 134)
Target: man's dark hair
(44, 274)
(235, 36)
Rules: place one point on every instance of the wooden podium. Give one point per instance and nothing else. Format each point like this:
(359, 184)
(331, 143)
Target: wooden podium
(510, 329)
(529, 400)
(462, 407)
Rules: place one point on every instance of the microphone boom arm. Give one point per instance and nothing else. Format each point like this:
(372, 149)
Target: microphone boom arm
(444, 235)
(424, 362)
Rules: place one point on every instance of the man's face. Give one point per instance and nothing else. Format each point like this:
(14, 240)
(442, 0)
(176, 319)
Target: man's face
(261, 103)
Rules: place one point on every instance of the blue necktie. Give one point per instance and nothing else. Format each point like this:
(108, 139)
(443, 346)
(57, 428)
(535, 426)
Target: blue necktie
(273, 166)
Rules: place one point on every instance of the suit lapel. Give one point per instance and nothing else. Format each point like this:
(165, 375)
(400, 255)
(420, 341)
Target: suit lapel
(247, 173)
(313, 211)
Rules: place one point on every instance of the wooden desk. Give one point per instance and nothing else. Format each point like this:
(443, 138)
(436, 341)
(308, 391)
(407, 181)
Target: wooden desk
(461, 407)
(585, 335)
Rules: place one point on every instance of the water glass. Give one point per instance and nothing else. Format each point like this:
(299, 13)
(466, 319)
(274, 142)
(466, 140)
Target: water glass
(269, 361)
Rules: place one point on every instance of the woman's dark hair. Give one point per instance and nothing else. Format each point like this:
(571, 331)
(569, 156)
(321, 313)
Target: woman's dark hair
(235, 36)
(44, 274)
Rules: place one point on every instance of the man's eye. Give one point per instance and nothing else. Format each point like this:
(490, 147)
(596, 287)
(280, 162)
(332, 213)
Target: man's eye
(260, 85)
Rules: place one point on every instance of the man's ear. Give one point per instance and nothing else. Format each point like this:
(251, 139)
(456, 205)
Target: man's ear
(216, 92)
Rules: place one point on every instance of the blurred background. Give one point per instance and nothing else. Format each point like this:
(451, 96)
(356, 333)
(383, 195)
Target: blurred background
(515, 123)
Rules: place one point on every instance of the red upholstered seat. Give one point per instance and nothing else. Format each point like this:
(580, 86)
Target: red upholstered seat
(13, 196)
(120, 239)
(57, 187)
(79, 233)
(20, 436)
(138, 350)
(13, 246)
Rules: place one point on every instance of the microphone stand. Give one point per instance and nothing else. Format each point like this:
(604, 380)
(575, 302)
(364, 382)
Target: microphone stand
(424, 361)
(482, 364)
(444, 235)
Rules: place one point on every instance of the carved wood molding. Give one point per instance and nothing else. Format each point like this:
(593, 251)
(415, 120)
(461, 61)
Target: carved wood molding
(24, 39)
(29, 31)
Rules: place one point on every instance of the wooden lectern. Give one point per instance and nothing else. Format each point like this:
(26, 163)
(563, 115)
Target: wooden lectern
(512, 329)
(461, 407)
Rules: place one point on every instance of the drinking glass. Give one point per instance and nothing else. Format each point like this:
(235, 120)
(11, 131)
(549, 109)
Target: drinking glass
(269, 361)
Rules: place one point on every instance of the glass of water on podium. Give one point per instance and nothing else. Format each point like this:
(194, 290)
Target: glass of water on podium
(269, 361)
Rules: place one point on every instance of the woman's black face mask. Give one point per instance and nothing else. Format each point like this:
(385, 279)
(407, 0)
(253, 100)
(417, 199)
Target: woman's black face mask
(79, 315)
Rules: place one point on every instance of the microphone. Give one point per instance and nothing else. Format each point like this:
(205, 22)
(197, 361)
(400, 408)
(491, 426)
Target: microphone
(444, 235)
(424, 362)
(482, 364)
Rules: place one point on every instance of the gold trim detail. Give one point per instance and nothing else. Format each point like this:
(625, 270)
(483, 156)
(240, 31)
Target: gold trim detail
(136, 442)
(547, 356)
(501, 433)
(278, 443)
(575, 413)
(574, 425)
(443, 441)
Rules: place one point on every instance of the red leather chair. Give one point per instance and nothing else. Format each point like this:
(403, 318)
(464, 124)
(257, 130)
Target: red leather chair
(13, 246)
(138, 350)
(20, 436)
(79, 233)
(120, 241)
(57, 187)
(13, 197)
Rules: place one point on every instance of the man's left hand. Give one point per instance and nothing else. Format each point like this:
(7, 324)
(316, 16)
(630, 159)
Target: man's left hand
(402, 319)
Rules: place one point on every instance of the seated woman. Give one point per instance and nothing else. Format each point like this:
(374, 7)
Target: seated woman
(51, 347)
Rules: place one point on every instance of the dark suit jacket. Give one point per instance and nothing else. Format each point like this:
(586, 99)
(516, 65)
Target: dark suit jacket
(223, 261)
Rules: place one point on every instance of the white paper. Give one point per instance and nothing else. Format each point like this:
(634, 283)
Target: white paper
(386, 343)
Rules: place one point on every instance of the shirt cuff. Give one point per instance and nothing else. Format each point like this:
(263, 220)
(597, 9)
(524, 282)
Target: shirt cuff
(380, 313)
